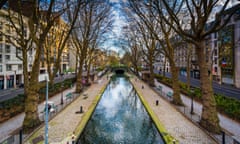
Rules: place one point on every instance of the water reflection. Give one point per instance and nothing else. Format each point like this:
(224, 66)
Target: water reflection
(120, 118)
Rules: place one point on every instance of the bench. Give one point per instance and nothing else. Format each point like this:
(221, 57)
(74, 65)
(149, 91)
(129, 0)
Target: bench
(169, 94)
(69, 96)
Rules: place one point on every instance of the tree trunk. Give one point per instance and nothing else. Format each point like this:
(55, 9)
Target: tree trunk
(164, 67)
(175, 84)
(25, 71)
(136, 69)
(188, 76)
(79, 78)
(151, 81)
(209, 118)
(189, 54)
(89, 68)
(31, 119)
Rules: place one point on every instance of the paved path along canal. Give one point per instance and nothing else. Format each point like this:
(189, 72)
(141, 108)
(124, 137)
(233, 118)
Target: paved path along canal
(62, 127)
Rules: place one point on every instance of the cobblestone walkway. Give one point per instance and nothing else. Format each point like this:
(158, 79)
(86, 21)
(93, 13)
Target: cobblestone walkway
(62, 126)
(174, 122)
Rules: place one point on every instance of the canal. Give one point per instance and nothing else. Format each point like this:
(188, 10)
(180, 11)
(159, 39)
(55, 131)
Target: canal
(120, 118)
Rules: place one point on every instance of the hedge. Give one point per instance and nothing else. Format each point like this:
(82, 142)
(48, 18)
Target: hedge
(225, 105)
(15, 106)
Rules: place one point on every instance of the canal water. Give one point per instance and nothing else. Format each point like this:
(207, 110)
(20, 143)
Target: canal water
(120, 118)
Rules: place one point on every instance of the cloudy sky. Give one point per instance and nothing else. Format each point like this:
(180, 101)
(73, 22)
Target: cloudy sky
(115, 37)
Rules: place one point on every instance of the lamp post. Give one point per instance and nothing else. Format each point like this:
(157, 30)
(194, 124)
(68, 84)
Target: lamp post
(46, 112)
(191, 92)
(15, 79)
(62, 94)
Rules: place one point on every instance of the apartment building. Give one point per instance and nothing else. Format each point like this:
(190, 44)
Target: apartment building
(11, 68)
(222, 53)
(161, 64)
(225, 51)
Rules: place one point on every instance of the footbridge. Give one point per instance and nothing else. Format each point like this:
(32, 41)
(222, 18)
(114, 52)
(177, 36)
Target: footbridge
(119, 69)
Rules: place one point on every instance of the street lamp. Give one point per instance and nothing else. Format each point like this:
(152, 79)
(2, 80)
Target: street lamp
(62, 94)
(191, 93)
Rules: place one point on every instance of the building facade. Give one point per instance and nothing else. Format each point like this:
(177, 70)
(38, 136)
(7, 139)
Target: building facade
(222, 50)
(11, 68)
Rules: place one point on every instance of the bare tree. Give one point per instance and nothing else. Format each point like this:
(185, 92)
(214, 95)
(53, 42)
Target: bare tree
(164, 35)
(198, 13)
(40, 22)
(189, 55)
(17, 35)
(132, 49)
(58, 38)
(145, 23)
(92, 23)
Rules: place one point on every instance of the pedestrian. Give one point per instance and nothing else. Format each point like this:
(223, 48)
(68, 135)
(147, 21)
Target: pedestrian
(142, 87)
(49, 108)
(73, 138)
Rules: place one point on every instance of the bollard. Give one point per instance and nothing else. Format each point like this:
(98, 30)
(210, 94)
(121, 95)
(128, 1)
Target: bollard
(223, 137)
(20, 136)
(156, 102)
(81, 109)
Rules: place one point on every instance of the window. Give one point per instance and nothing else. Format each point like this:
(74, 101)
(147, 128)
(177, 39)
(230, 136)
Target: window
(7, 49)
(18, 52)
(20, 67)
(215, 43)
(0, 58)
(7, 57)
(9, 67)
(30, 51)
(7, 39)
(215, 52)
(1, 70)
(1, 37)
(1, 48)
(215, 35)
(215, 60)
(215, 69)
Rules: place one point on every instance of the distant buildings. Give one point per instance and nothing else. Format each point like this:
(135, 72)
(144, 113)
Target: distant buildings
(222, 53)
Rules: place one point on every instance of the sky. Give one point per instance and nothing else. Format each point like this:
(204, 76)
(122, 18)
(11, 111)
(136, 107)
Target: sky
(114, 41)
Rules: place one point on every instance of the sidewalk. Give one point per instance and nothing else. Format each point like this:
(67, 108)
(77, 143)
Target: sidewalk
(231, 127)
(11, 125)
(62, 127)
(174, 122)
